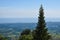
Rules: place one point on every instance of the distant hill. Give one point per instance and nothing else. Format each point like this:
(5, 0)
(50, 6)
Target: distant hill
(15, 28)
(26, 20)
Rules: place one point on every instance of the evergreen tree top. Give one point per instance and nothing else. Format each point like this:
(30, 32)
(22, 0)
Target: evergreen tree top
(41, 7)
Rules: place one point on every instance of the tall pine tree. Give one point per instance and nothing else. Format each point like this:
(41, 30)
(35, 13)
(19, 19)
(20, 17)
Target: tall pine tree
(40, 32)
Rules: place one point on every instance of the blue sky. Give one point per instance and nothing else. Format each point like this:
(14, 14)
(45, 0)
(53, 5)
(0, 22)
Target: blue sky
(29, 8)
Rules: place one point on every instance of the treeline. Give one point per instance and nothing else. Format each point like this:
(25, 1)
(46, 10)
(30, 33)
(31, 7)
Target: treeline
(39, 33)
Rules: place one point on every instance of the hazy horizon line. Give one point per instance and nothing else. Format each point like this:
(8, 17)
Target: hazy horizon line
(25, 20)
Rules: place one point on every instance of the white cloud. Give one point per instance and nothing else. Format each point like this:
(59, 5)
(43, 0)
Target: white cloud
(27, 13)
(13, 13)
(52, 13)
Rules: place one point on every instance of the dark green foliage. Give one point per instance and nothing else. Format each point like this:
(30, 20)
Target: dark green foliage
(26, 32)
(40, 33)
(26, 35)
(3, 38)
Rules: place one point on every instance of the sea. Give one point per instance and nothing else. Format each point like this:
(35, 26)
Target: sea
(9, 29)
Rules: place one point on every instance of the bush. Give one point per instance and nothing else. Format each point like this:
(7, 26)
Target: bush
(26, 35)
(25, 32)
